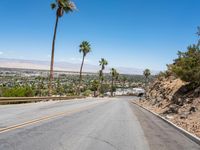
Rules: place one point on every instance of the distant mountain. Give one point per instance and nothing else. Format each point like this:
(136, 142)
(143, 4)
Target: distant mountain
(60, 66)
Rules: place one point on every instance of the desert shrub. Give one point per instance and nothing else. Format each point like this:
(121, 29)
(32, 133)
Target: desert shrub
(87, 93)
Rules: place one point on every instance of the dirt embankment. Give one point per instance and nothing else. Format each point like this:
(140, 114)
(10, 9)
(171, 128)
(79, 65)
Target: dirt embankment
(175, 100)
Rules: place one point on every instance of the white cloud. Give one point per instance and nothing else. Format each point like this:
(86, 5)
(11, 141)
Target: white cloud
(1, 53)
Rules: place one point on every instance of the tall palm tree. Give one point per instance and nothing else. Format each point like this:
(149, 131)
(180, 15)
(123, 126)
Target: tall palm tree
(146, 73)
(61, 6)
(85, 49)
(103, 62)
(113, 76)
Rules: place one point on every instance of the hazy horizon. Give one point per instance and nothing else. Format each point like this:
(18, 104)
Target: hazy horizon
(66, 66)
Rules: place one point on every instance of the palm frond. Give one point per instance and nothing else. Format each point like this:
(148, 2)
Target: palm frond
(69, 6)
(53, 5)
(85, 47)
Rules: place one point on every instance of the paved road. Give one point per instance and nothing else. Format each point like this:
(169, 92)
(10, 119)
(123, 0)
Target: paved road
(92, 124)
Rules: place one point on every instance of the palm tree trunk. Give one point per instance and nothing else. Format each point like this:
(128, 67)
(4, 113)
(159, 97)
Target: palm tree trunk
(80, 80)
(112, 87)
(101, 81)
(124, 88)
(101, 90)
(115, 84)
(145, 83)
(95, 93)
(52, 56)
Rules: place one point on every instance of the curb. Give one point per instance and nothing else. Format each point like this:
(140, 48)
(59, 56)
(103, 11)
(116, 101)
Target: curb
(189, 135)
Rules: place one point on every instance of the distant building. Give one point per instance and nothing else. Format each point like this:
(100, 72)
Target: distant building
(138, 91)
(129, 91)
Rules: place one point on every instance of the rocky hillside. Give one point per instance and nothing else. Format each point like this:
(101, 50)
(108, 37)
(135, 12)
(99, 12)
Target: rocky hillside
(176, 100)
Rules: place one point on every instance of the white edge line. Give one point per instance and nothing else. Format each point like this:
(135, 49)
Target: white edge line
(183, 131)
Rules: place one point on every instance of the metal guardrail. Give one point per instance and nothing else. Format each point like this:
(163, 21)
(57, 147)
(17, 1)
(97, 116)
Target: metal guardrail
(19, 100)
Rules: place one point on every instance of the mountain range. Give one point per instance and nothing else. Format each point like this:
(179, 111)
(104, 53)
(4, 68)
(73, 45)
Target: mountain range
(62, 66)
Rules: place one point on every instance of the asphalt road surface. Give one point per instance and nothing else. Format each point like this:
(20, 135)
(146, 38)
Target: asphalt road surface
(89, 124)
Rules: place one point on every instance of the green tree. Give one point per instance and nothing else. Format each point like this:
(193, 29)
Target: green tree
(94, 87)
(85, 49)
(146, 74)
(61, 6)
(103, 62)
(187, 65)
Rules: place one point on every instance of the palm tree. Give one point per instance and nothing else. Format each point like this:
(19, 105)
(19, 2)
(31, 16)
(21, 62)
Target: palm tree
(61, 6)
(146, 73)
(85, 49)
(113, 76)
(103, 62)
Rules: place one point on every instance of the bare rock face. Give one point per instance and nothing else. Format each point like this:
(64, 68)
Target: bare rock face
(164, 89)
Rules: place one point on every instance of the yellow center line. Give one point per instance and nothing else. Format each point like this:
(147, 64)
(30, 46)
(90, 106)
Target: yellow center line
(66, 113)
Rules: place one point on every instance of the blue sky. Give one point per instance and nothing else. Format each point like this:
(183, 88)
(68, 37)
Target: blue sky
(131, 33)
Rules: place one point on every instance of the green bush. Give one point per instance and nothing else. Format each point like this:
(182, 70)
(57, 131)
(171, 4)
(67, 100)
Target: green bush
(187, 65)
(87, 93)
(17, 92)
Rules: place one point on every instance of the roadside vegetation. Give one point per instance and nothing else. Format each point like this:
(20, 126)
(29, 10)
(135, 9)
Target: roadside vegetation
(187, 65)
(34, 83)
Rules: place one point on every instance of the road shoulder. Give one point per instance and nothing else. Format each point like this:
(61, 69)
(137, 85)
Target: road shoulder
(161, 135)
